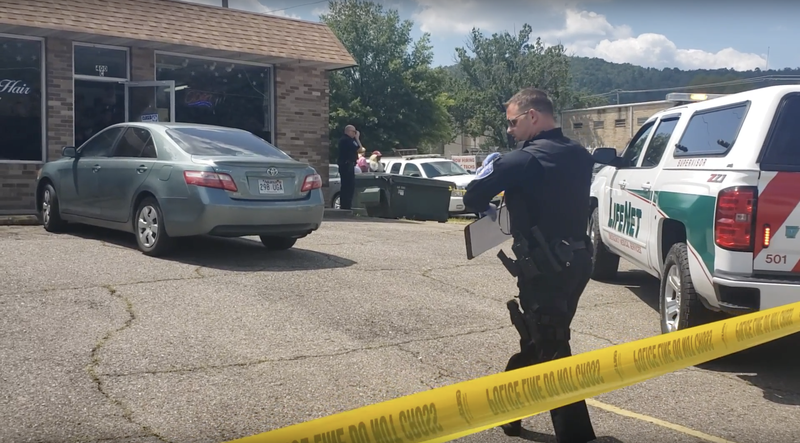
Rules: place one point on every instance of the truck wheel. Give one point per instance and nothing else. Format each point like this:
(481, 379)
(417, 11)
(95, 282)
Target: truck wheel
(679, 305)
(604, 262)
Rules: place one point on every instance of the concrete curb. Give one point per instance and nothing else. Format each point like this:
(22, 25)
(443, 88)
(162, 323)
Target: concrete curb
(19, 220)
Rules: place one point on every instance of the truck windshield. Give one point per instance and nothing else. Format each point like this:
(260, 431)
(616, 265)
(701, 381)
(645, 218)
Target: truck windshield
(443, 169)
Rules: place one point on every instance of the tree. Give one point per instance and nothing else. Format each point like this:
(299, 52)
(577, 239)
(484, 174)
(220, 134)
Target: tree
(501, 66)
(393, 96)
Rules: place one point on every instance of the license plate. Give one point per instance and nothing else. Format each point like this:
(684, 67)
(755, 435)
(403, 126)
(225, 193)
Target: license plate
(270, 186)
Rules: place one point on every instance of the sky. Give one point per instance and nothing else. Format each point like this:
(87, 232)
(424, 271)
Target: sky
(685, 34)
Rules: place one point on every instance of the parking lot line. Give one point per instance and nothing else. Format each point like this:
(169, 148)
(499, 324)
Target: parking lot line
(655, 421)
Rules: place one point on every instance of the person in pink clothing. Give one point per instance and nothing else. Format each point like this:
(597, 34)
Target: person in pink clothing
(362, 160)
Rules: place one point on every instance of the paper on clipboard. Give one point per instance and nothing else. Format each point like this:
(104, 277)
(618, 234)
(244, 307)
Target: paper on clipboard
(485, 233)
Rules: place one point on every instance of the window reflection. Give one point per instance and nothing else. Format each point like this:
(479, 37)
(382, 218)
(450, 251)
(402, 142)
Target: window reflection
(21, 99)
(220, 93)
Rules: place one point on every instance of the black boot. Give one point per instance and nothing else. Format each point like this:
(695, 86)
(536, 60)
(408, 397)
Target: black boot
(513, 429)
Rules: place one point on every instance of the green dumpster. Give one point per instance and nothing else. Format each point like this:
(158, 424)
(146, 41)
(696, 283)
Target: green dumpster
(414, 198)
(372, 193)
(417, 198)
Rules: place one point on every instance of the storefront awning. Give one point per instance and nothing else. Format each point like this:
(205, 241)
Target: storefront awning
(171, 25)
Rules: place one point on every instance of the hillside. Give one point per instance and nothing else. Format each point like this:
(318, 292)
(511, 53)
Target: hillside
(597, 76)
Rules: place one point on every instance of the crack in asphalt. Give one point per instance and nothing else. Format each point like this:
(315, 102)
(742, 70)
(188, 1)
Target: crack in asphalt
(95, 363)
(302, 356)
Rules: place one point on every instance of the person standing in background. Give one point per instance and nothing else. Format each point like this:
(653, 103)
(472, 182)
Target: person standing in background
(348, 156)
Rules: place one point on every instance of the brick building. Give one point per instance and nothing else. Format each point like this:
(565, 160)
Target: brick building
(609, 126)
(72, 67)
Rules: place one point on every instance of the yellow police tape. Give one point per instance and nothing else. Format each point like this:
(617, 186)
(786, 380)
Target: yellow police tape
(468, 407)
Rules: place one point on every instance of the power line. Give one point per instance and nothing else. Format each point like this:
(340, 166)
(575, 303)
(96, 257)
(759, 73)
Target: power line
(297, 6)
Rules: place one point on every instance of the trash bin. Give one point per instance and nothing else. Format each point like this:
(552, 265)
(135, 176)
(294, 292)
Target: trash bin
(394, 196)
(417, 198)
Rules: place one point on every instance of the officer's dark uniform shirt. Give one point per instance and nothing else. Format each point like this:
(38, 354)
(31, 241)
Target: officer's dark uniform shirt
(348, 150)
(546, 184)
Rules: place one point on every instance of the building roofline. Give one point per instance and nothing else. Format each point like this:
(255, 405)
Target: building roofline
(624, 105)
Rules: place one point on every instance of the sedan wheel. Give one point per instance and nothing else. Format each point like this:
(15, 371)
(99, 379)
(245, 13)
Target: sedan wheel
(148, 226)
(50, 213)
(151, 236)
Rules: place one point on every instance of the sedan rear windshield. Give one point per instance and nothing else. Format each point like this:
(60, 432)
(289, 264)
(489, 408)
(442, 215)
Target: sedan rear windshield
(223, 142)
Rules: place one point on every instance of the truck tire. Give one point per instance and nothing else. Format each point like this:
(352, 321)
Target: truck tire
(604, 262)
(679, 304)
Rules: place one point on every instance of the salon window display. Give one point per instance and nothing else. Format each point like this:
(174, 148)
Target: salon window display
(220, 93)
(21, 100)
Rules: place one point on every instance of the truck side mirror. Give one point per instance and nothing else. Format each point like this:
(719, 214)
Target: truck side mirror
(605, 156)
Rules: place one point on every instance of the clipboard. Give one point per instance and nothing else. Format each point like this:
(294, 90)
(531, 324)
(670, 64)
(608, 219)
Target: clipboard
(484, 234)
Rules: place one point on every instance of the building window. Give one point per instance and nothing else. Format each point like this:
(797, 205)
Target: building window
(100, 61)
(619, 123)
(577, 125)
(99, 90)
(598, 124)
(641, 120)
(218, 92)
(21, 99)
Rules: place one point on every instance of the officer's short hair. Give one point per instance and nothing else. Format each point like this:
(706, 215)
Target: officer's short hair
(532, 98)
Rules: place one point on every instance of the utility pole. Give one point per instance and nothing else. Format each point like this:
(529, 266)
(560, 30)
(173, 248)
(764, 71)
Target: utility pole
(767, 67)
(224, 3)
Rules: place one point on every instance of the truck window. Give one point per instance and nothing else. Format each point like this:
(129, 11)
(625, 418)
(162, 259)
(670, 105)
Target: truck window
(635, 147)
(782, 149)
(711, 132)
(658, 144)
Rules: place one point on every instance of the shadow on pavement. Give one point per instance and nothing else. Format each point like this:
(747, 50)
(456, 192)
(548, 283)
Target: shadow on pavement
(228, 254)
(641, 284)
(771, 367)
(547, 438)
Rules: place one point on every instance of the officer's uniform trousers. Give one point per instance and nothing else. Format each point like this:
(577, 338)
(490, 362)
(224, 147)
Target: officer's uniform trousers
(557, 294)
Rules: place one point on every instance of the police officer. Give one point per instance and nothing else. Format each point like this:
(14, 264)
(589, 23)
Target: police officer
(546, 182)
(348, 156)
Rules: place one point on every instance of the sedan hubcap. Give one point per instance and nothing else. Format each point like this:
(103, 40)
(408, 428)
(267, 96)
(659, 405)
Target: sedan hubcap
(46, 207)
(672, 299)
(147, 226)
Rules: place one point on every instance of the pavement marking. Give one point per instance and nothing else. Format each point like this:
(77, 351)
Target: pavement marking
(655, 421)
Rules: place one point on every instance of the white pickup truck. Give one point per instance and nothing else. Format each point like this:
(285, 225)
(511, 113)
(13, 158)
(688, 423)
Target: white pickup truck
(706, 197)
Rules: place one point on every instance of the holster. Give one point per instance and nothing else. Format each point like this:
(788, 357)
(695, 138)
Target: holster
(541, 257)
(537, 328)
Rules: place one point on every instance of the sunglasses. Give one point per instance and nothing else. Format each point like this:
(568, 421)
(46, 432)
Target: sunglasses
(513, 122)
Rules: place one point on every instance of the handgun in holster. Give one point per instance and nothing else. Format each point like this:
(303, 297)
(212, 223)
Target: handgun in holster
(524, 264)
(526, 330)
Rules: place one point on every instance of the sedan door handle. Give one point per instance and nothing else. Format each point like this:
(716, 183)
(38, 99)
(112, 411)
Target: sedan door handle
(95, 168)
(647, 186)
(141, 169)
(623, 184)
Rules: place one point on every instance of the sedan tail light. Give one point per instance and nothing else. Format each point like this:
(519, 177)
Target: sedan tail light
(210, 180)
(313, 181)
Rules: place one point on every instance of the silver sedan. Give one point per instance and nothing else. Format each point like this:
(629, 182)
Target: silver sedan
(165, 180)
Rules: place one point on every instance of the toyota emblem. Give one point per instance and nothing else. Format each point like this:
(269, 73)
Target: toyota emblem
(272, 171)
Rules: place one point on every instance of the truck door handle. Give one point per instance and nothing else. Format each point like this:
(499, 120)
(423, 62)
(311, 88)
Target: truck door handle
(623, 184)
(647, 186)
(95, 168)
(141, 169)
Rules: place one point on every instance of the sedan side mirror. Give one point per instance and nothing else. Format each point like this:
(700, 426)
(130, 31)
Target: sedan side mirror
(69, 151)
(605, 156)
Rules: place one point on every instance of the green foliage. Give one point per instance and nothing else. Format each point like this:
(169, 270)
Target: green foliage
(497, 68)
(394, 96)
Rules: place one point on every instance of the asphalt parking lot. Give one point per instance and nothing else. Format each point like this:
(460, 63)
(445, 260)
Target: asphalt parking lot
(225, 339)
